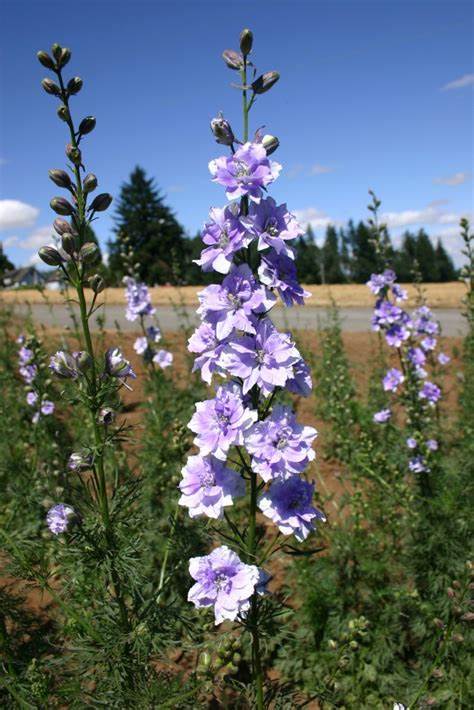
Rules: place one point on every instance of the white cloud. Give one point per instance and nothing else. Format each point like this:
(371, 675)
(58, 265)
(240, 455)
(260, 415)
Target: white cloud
(175, 188)
(456, 179)
(15, 214)
(431, 214)
(321, 169)
(40, 237)
(313, 217)
(10, 241)
(465, 80)
(295, 171)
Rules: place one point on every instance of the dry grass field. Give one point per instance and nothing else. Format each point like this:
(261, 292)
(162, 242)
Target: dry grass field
(442, 295)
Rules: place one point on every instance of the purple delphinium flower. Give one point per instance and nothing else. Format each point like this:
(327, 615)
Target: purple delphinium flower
(289, 504)
(32, 398)
(64, 364)
(224, 234)
(58, 518)
(80, 461)
(221, 422)
(47, 407)
(274, 226)
(279, 446)
(245, 172)
(25, 355)
(265, 359)
(396, 335)
(231, 305)
(443, 359)
(387, 314)
(418, 465)
(300, 382)
(204, 342)
(208, 486)
(163, 358)
(279, 271)
(416, 356)
(376, 283)
(116, 365)
(428, 343)
(399, 293)
(224, 582)
(153, 333)
(138, 299)
(430, 392)
(432, 445)
(392, 380)
(412, 443)
(141, 345)
(28, 372)
(382, 416)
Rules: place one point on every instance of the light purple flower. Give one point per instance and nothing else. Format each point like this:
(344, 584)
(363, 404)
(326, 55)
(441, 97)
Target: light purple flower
(382, 416)
(401, 294)
(28, 372)
(412, 443)
(221, 422)
(430, 392)
(443, 359)
(116, 365)
(224, 234)
(32, 398)
(208, 486)
(279, 271)
(376, 283)
(300, 383)
(274, 226)
(396, 335)
(141, 345)
(204, 341)
(416, 356)
(153, 333)
(288, 503)
(432, 445)
(246, 172)
(231, 305)
(163, 358)
(138, 299)
(47, 407)
(279, 446)
(418, 465)
(64, 364)
(392, 380)
(428, 343)
(80, 461)
(224, 582)
(25, 355)
(58, 518)
(265, 359)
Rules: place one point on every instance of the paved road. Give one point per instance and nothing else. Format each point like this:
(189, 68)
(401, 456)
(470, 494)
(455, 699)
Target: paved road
(308, 317)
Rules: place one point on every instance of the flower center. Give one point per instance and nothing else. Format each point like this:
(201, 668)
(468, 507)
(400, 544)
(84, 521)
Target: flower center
(235, 301)
(224, 239)
(282, 442)
(242, 169)
(271, 227)
(221, 581)
(260, 356)
(207, 478)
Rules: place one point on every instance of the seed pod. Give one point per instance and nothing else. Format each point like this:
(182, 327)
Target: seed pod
(61, 226)
(97, 283)
(50, 87)
(64, 57)
(68, 243)
(60, 178)
(101, 202)
(50, 256)
(56, 49)
(61, 206)
(74, 85)
(89, 252)
(63, 112)
(45, 59)
(89, 183)
(74, 154)
(222, 130)
(270, 143)
(265, 82)
(234, 60)
(87, 125)
(246, 41)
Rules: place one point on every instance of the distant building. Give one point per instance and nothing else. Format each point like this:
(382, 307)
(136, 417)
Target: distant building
(30, 277)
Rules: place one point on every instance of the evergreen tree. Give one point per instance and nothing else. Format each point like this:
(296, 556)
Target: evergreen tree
(363, 252)
(425, 255)
(331, 258)
(445, 270)
(405, 258)
(5, 264)
(308, 258)
(154, 234)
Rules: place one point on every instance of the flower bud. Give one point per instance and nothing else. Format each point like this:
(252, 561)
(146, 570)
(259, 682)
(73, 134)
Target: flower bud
(89, 183)
(61, 226)
(83, 360)
(97, 283)
(60, 178)
(56, 49)
(265, 82)
(222, 130)
(68, 243)
(74, 154)
(106, 416)
(101, 202)
(246, 41)
(270, 143)
(61, 206)
(45, 59)
(80, 461)
(64, 57)
(234, 60)
(74, 85)
(50, 87)
(50, 256)
(87, 125)
(89, 252)
(63, 112)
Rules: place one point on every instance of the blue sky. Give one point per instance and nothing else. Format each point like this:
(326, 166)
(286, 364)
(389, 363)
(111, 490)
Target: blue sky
(372, 95)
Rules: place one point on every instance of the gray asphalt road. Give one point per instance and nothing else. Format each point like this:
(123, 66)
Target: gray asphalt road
(308, 317)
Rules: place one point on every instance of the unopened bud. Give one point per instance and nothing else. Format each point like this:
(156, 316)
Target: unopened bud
(74, 85)
(50, 256)
(222, 130)
(45, 59)
(234, 60)
(97, 283)
(468, 616)
(56, 49)
(68, 243)
(101, 202)
(61, 226)
(64, 57)
(89, 252)
(60, 178)
(246, 41)
(87, 125)
(106, 416)
(50, 87)
(80, 461)
(270, 143)
(74, 154)
(265, 82)
(83, 360)
(89, 183)
(438, 623)
(63, 112)
(458, 638)
(61, 206)
(450, 592)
